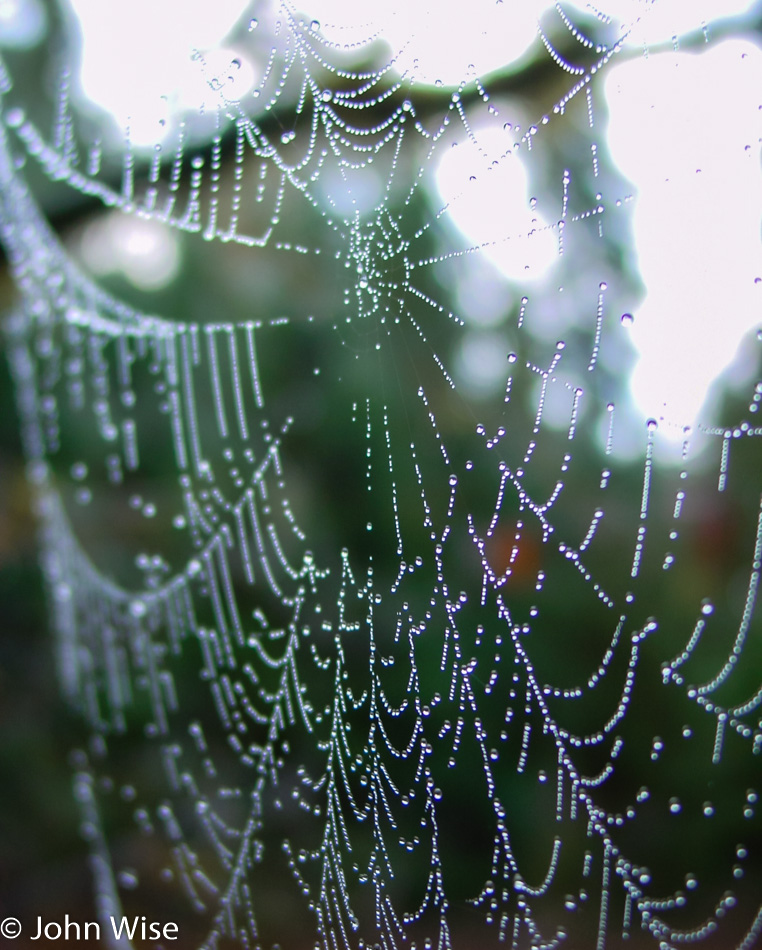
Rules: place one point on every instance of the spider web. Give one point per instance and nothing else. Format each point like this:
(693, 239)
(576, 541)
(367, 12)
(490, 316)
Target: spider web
(388, 630)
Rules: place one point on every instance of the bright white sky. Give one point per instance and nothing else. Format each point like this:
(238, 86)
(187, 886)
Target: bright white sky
(679, 128)
(485, 185)
(685, 130)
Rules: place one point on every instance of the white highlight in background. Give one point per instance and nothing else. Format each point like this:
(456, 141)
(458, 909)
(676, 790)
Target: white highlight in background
(137, 65)
(145, 252)
(23, 23)
(648, 23)
(685, 129)
(437, 43)
(486, 189)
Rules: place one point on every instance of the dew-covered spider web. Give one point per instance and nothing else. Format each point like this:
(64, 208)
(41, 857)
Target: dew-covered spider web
(405, 586)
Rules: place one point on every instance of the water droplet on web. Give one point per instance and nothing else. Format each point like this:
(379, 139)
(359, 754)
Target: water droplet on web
(627, 319)
(14, 118)
(674, 806)
(253, 24)
(315, 26)
(79, 471)
(62, 592)
(128, 879)
(707, 607)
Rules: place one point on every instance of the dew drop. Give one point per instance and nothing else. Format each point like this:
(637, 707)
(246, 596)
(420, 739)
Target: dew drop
(128, 879)
(79, 471)
(14, 118)
(627, 319)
